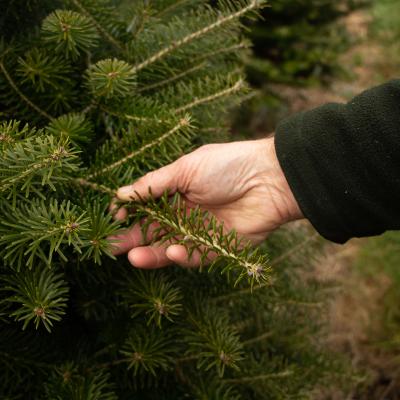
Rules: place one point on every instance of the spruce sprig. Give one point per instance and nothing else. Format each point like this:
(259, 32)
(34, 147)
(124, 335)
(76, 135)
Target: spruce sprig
(152, 295)
(69, 32)
(74, 127)
(29, 165)
(213, 341)
(149, 351)
(140, 151)
(39, 295)
(42, 71)
(36, 230)
(198, 230)
(12, 131)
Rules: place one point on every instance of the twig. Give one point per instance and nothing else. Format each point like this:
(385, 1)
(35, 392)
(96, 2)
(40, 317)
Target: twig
(248, 379)
(109, 37)
(236, 87)
(20, 94)
(182, 123)
(166, 50)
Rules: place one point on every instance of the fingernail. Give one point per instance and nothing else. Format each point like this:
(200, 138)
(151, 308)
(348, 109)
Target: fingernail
(125, 192)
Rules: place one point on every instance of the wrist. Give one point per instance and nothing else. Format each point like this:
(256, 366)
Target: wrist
(286, 204)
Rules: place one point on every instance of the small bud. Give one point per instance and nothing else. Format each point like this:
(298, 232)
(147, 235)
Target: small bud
(71, 227)
(40, 312)
(225, 358)
(255, 270)
(67, 376)
(59, 153)
(161, 308)
(137, 356)
(5, 138)
(65, 27)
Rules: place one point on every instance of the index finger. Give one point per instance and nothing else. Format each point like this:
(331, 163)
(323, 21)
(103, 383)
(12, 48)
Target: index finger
(158, 181)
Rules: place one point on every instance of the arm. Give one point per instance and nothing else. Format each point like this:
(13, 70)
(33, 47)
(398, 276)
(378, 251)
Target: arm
(342, 163)
(337, 165)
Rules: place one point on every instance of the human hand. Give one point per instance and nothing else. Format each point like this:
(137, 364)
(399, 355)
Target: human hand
(240, 183)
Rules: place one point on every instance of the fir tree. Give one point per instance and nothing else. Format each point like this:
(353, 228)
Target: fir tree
(92, 96)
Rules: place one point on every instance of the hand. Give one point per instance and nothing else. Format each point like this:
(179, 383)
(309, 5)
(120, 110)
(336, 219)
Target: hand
(241, 183)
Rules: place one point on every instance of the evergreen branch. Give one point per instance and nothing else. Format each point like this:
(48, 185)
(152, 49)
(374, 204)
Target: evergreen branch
(150, 350)
(36, 230)
(152, 295)
(101, 226)
(213, 341)
(39, 295)
(184, 122)
(12, 131)
(230, 49)
(106, 34)
(21, 95)
(35, 162)
(110, 78)
(130, 117)
(254, 4)
(202, 63)
(226, 92)
(171, 79)
(94, 186)
(203, 232)
(249, 379)
(170, 8)
(257, 339)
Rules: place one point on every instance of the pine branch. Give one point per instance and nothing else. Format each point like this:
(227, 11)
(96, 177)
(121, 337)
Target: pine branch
(260, 338)
(183, 123)
(172, 78)
(213, 341)
(223, 50)
(171, 7)
(254, 4)
(40, 297)
(35, 162)
(226, 92)
(105, 34)
(198, 63)
(135, 118)
(203, 232)
(94, 186)
(36, 231)
(73, 127)
(11, 132)
(152, 295)
(264, 377)
(21, 95)
(150, 350)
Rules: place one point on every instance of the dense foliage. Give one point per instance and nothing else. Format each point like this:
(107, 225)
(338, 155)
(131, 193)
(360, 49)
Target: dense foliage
(92, 95)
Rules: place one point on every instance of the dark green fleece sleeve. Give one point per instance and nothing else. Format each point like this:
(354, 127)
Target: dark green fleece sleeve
(342, 162)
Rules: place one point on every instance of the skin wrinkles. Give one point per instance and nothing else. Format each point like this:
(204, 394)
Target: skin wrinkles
(240, 183)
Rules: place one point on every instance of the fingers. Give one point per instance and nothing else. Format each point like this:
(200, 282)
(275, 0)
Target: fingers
(149, 257)
(132, 237)
(161, 255)
(120, 213)
(179, 254)
(160, 180)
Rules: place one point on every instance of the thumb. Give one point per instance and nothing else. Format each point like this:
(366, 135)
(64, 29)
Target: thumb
(160, 180)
